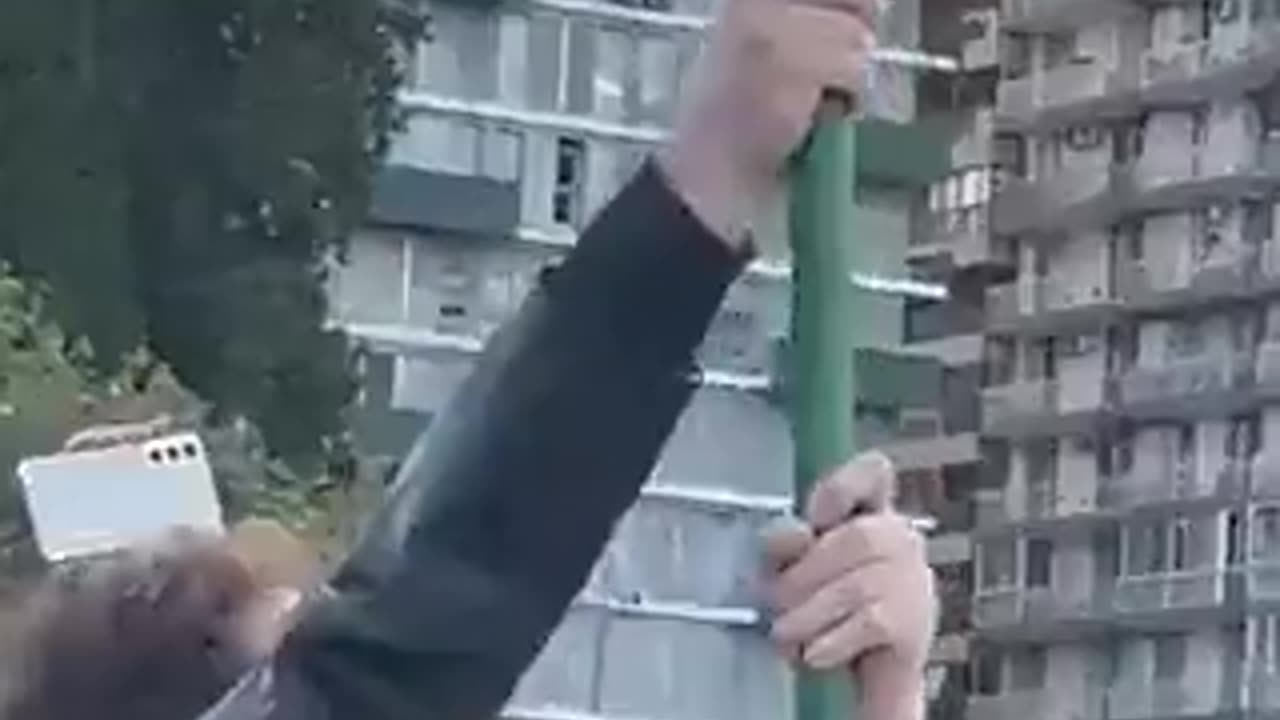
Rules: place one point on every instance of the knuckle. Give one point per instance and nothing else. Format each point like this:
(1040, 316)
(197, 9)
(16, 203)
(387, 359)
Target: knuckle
(879, 622)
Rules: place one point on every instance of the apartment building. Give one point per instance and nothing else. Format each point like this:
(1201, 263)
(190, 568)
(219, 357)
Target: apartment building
(946, 460)
(523, 119)
(1126, 551)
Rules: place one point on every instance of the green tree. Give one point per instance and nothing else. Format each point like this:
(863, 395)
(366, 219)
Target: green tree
(181, 174)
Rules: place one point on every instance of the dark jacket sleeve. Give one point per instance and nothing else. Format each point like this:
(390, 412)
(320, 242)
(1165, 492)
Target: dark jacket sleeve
(504, 505)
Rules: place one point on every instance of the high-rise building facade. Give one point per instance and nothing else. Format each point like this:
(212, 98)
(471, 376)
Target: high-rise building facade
(1126, 514)
(523, 120)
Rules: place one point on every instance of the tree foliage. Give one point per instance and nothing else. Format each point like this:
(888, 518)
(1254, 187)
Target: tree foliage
(180, 173)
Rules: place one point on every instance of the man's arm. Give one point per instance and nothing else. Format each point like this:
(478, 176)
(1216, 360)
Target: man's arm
(503, 507)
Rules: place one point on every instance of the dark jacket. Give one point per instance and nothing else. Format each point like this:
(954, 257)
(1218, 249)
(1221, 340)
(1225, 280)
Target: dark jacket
(501, 510)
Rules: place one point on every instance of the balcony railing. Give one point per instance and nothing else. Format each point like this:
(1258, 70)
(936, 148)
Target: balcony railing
(1268, 363)
(1180, 64)
(1137, 284)
(1188, 377)
(990, 509)
(1025, 203)
(1263, 687)
(1147, 700)
(1262, 576)
(965, 234)
(1018, 705)
(1178, 590)
(1004, 404)
(1265, 475)
(1153, 483)
(1269, 265)
(1015, 606)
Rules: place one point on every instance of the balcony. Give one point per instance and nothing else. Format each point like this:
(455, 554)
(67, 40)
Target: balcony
(1010, 405)
(1067, 92)
(1009, 706)
(963, 235)
(1164, 592)
(1141, 288)
(1268, 271)
(1268, 368)
(1146, 700)
(1262, 578)
(989, 509)
(1265, 476)
(1182, 386)
(974, 139)
(1154, 483)
(1234, 161)
(1174, 65)
(1050, 15)
(1000, 609)
(1263, 687)
(1046, 301)
(1230, 62)
(1070, 196)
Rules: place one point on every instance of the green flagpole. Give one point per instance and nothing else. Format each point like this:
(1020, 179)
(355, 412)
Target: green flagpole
(821, 386)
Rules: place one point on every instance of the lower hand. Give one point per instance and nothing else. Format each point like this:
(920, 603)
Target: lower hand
(851, 588)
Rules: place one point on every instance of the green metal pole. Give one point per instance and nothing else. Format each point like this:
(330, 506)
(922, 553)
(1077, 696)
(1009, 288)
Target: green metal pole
(821, 385)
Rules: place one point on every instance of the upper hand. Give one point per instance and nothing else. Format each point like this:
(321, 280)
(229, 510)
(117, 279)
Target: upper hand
(855, 590)
(752, 104)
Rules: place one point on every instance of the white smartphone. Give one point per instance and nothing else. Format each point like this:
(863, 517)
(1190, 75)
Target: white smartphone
(96, 501)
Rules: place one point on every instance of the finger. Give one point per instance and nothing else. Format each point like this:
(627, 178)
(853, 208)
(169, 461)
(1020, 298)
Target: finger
(832, 604)
(859, 634)
(861, 542)
(867, 484)
(833, 46)
(786, 540)
(866, 11)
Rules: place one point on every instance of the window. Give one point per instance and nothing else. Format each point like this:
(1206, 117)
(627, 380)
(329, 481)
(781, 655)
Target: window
(1244, 437)
(1039, 563)
(1180, 541)
(1170, 657)
(615, 56)
(987, 676)
(1147, 549)
(513, 60)
(658, 69)
(1200, 127)
(1265, 541)
(996, 559)
(462, 58)
(566, 199)
(1186, 339)
(1233, 529)
(1226, 11)
(1186, 445)
(1029, 668)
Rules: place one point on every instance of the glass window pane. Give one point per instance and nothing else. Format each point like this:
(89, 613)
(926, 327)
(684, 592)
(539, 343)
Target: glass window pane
(609, 81)
(1170, 657)
(581, 70)
(657, 82)
(513, 60)
(462, 55)
(544, 62)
